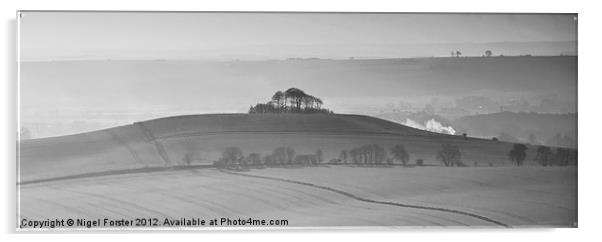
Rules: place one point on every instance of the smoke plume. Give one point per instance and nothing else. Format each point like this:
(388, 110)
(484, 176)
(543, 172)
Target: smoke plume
(431, 125)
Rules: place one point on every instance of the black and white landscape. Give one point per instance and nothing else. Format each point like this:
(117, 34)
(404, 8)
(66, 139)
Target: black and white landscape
(319, 119)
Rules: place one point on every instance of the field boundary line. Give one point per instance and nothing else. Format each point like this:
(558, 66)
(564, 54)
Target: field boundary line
(158, 145)
(347, 194)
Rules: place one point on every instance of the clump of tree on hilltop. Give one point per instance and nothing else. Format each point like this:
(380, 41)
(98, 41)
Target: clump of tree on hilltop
(293, 100)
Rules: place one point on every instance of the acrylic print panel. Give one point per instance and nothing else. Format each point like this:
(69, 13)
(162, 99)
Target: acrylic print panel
(207, 120)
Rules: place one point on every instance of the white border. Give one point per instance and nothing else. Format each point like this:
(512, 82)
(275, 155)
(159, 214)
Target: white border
(589, 114)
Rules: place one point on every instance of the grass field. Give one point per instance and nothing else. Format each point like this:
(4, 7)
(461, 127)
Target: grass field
(530, 196)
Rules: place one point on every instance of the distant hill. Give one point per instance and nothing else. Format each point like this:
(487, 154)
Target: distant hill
(345, 84)
(164, 142)
(543, 126)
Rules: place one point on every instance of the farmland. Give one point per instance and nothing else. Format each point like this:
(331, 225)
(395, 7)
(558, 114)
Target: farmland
(137, 171)
(517, 197)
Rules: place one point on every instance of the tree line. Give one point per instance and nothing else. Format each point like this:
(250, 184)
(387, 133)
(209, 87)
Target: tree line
(373, 154)
(293, 100)
(544, 155)
(370, 154)
(233, 156)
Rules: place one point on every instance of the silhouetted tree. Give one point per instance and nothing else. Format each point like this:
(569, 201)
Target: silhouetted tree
(399, 153)
(450, 155)
(279, 98)
(308, 102)
(518, 154)
(318, 102)
(300, 102)
(379, 154)
(279, 155)
(544, 156)
(562, 156)
(231, 155)
(488, 53)
(296, 95)
(263, 108)
(368, 154)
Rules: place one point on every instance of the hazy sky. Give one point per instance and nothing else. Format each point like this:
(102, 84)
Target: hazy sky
(126, 35)
(120, 92)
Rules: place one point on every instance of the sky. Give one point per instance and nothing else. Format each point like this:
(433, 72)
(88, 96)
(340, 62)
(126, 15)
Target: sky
(91, 70)
(224, 36)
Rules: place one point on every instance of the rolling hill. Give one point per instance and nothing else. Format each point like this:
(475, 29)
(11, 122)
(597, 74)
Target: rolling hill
(163, 142)
(136, 170)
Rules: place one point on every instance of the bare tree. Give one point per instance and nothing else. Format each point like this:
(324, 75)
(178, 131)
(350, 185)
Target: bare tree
(368, 154)
(400, 153)
(279, 155)
(450, 155)
(518, 154)
(544, 156)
